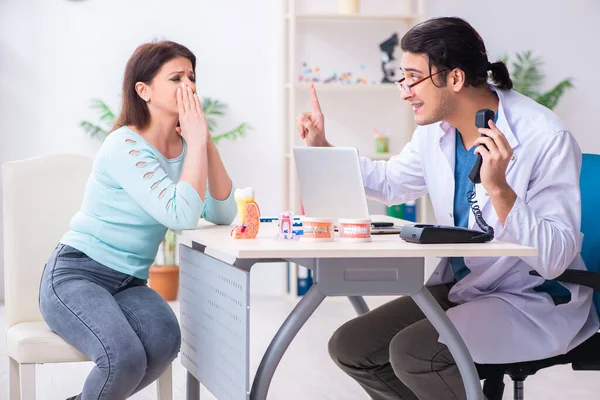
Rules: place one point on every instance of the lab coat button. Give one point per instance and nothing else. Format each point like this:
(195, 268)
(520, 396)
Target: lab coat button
(450, 215)
(512, 158)
(441, 140)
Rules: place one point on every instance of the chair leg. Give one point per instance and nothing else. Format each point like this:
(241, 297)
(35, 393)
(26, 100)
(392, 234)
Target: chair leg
(165, 384)
(493, 388)
(27, 381)
(519, 389)
(14, 380)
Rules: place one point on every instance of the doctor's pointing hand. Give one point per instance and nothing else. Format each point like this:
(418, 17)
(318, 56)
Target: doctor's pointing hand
(311, 125)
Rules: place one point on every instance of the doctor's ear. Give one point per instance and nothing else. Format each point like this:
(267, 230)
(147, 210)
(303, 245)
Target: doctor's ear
(456, 79)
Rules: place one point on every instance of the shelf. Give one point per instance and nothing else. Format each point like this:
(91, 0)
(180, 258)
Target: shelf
(353, 17)
(334, 87)
(302, 27)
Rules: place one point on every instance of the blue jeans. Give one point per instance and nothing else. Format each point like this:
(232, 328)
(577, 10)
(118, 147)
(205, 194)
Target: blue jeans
(125, 327)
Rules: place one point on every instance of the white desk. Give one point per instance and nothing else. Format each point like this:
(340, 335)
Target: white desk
(215, 301)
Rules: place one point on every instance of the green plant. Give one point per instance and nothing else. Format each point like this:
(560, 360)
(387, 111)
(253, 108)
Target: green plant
(527, 76)
(107, 119)
(212, 108)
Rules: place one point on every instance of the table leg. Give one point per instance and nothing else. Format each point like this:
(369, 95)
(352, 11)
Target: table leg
(284, 336)
(192, 387)
(359, 304)
(457, 347)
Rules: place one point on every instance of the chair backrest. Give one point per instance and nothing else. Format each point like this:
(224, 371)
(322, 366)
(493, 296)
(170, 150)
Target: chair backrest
(590, 215)
(40, 197)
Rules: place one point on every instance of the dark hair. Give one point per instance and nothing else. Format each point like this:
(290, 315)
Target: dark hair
(451, 42)
(143, 66)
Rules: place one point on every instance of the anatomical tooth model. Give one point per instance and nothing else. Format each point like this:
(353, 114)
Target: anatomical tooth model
(248, 213)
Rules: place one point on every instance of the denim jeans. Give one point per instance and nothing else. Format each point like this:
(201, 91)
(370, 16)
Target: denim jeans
(126, 328)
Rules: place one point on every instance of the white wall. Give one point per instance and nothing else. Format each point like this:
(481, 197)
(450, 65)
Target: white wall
(55, 55)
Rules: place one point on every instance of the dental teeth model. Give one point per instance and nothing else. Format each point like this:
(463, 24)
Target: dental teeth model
(248, 213)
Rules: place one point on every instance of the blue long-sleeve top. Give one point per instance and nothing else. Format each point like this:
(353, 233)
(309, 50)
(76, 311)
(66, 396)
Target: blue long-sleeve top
(132, 197)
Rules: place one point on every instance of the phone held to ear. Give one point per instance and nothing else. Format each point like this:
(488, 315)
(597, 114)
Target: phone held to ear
(432, 234)
(481, 121)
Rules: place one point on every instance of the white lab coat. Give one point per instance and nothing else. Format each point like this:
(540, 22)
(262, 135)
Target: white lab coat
(499, 316)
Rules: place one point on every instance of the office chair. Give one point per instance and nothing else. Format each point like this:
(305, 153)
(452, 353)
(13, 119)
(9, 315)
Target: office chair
(586, 356)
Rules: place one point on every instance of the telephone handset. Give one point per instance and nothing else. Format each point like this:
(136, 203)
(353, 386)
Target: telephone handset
(422, 233)
(481, 121)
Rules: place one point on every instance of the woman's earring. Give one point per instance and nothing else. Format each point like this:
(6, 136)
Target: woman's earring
(147, 99)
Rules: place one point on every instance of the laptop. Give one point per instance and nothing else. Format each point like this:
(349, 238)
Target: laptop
(331, 185)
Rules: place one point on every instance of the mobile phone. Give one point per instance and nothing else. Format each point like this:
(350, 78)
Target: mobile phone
(376, 224)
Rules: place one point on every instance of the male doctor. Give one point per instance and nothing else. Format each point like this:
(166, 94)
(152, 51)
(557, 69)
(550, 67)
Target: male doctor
(529, 194)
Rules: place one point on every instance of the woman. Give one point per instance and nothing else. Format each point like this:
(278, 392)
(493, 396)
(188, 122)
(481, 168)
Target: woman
(157, 169)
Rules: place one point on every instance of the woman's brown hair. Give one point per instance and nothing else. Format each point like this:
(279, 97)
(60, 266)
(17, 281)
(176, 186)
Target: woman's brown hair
(143, 66)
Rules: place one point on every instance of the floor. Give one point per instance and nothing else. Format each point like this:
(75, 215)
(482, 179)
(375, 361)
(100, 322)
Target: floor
(306, 372)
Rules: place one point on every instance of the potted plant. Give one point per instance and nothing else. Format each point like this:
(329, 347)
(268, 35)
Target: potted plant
(527, 79)
(164, 273)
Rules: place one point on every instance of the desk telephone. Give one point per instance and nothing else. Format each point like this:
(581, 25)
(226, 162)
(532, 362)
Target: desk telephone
(422, 233)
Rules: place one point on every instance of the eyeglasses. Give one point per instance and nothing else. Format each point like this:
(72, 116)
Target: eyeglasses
(400, 84)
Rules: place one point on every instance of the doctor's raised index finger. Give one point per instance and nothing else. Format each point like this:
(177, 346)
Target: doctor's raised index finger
(316, 107)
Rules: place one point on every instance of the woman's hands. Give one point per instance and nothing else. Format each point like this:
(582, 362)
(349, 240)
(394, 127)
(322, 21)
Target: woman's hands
(193, 126)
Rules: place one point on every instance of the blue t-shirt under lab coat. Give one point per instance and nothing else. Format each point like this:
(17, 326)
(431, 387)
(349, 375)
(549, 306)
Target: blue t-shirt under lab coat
(464, 161)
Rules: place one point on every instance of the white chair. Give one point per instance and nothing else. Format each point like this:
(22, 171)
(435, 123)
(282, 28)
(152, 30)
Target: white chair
(40, 197)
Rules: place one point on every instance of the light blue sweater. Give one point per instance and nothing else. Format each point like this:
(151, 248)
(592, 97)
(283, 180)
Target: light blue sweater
(132, 196)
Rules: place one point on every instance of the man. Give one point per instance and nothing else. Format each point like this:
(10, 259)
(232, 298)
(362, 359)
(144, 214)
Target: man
(529, 194)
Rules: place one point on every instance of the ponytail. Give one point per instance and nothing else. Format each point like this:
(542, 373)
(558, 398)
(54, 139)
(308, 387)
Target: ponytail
(500, 76)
